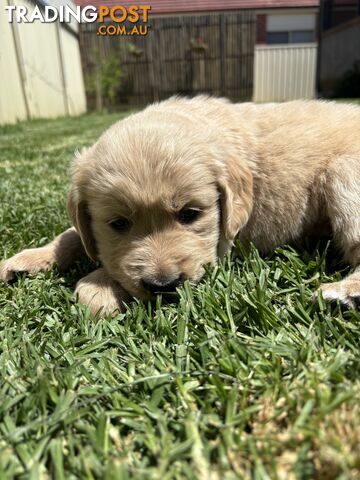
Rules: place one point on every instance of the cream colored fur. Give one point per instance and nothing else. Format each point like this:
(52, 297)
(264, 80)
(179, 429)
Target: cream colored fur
(268, 174)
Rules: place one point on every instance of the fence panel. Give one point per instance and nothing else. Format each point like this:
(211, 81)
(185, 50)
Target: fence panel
(12, 99)
(73, 75)
(284, 72)
(40, 69)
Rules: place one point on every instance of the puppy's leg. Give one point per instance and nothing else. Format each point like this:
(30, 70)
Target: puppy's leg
(343, 204)
(62, 251)
(100, 292)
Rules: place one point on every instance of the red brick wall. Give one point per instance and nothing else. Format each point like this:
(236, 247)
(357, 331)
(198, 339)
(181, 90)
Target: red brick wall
(261, 28)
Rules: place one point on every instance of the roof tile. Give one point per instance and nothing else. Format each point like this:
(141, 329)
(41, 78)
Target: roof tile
(189, 6)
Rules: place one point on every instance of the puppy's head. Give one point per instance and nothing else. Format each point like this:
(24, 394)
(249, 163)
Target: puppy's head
(154, 198)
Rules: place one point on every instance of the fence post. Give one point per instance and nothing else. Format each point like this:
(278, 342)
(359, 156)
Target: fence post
(222, 54)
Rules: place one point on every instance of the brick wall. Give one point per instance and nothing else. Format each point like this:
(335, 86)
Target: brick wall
(261, 28)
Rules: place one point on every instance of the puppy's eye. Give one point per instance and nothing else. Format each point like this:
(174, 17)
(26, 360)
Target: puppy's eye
(121, 224)
(188, 215)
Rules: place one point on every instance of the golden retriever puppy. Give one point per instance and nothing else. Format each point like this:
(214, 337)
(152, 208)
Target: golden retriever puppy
(165, 192)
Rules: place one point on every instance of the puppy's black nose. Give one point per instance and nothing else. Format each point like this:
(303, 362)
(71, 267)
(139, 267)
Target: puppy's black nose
(164, 285)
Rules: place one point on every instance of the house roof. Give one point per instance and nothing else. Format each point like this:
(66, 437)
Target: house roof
(190, 6)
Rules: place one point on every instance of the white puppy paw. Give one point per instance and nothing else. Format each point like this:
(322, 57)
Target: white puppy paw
(347, 292)
(33, 260)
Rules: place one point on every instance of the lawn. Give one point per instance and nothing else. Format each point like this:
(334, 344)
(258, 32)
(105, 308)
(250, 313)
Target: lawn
(242, 378)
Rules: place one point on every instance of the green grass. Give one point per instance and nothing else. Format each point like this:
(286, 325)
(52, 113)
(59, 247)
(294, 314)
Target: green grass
(243, 378)
(347, 100)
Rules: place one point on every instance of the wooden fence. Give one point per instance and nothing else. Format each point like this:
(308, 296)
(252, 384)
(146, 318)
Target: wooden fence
(207, 53)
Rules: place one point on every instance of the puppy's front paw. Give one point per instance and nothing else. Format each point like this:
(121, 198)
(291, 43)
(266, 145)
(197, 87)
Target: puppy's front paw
(346, 291)
(100, 293)
(33, 260)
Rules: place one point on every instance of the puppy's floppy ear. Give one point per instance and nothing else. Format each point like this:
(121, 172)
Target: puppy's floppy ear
(81, 220)
(78, 211)
(235, 183)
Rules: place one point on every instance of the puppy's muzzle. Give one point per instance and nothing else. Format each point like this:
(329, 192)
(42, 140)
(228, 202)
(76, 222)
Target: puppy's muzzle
(163, 285)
